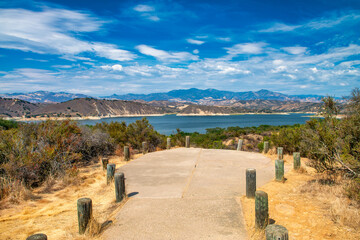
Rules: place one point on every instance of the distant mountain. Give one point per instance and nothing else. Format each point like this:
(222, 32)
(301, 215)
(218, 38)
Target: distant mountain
(44, 96)
(16, 108)
(210, 96)
(192, 95)
(80, 107)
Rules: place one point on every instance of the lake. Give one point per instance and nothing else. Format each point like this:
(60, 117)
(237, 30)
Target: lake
(168, 124)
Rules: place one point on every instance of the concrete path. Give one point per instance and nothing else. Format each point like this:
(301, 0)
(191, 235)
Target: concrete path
(187, 194)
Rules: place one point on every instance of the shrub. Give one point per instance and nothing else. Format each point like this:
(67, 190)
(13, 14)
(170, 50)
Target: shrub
(141, 131)
(8, 124)
(288, 138)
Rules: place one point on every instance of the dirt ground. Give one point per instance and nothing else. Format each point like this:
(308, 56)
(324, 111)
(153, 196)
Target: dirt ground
(306, 208)
(54, 212)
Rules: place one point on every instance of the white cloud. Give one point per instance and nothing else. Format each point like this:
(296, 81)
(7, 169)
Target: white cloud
(279, 69)
(314, 69)
(116, 67)
(225, 39)
(110, 51)
(246, 48)
(295, 50)
(164, 55)
(147, 12)
(277, 61)
(144, 8)
(154, 18)
(53, 31)
(194, 41)
(196, 51)
(314, 24)
(280, 27)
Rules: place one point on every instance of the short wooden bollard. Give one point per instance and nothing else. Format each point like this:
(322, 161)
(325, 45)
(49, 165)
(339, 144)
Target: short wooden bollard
(105, 162)
(38, 236)
(276, 232)
(280, 153)
(119, 186)
(110, 173)
(144, 147)
(297, 160)
(84, 208)
(126, 153)
(261, 209)
(266, 146)
(240, 143)
(250, 182)
(279, 170)
(168, 143)
(187, 141)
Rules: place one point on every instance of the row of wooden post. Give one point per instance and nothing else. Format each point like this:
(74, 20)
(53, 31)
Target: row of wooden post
(84, 205)
(272, 231)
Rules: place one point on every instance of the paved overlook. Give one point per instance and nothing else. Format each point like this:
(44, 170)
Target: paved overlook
(187, 193)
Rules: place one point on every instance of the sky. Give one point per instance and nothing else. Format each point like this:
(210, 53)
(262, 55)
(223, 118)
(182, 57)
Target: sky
(104, 47)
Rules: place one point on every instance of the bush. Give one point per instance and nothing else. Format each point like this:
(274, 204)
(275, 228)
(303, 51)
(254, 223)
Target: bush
(134, 134)
(6, 124)
(288, 138)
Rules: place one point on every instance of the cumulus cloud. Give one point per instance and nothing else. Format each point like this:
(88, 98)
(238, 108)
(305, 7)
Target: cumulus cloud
(194, 41)
(54, 31)
(144, 8)
(315, 24)
(246, 48)
(225, 39)
(295, 50)
(164, 55)
(280, 27)
(116, 67)
(147, 12)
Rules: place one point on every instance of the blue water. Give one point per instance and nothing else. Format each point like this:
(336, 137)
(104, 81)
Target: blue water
(169, 123)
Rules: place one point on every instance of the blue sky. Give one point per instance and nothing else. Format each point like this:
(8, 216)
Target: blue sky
(105, 47)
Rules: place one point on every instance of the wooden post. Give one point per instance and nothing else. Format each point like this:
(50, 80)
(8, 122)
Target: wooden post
(250, 182)
(126, 153)
(168, 143)
(38, 236)
(261, 209)
(279, 170)
(144, 147)
(84, 208)
(110, 173)
(105, 162)
(240, 143)
(280, 153)
(276, 232)
(119, 186)
(297, 160)
(266, 146)
(187, 142)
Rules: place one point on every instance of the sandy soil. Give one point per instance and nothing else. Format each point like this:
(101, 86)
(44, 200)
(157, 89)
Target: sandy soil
(304, 215)
(53, 211)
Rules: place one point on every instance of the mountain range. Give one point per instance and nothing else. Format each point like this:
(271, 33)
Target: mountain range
(192, 95)
(207, 96)
(44, 96)
(101, 108)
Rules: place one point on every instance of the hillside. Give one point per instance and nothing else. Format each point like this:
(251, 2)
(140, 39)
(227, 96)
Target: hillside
(44, 96)
(16, 108)
(90, 107)
(211, 96)
(193, 95)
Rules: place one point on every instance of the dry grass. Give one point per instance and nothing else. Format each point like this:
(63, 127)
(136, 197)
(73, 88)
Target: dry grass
(330, 191)
(51, 209)
(308, 208)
